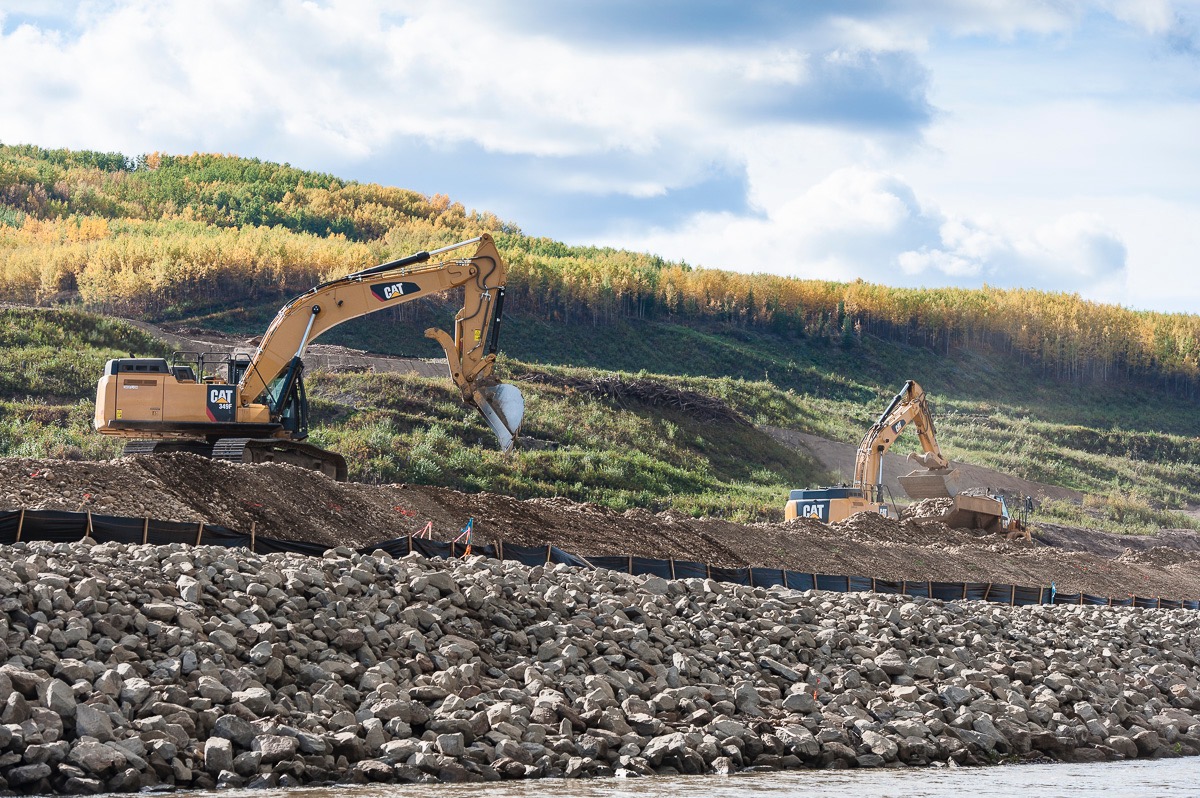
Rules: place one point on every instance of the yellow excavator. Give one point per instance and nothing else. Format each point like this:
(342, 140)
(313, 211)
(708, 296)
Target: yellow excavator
(971, 509)
(254, 409)
(866, 493)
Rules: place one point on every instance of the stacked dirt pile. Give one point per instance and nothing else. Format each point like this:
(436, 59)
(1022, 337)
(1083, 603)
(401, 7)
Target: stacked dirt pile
(135, 667)
(927, 508)
(294, 504)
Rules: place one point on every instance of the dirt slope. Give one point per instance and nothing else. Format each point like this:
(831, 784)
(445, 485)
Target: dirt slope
(291, 503)
(838, 459)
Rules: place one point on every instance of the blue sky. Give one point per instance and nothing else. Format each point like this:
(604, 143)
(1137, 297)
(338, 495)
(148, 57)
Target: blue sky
(1047, 144)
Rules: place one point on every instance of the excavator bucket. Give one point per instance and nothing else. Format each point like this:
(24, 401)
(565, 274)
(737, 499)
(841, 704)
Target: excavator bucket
(504, 407)
(941, 483)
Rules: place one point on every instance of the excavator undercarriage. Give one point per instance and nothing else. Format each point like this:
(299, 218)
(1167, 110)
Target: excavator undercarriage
(250, 450)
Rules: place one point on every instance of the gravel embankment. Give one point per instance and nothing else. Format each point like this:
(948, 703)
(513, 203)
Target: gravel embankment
(291, 503)
(138, 666)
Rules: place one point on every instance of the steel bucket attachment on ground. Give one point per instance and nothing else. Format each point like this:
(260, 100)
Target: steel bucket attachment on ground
(941, 483)
(504, 408)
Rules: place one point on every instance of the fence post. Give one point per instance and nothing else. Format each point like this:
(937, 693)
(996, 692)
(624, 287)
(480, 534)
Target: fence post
(500, 549)
(87, 533)
(20, 525)
(253, 530)
(145, 530)
(548, 549)
(199, 532)
(671, 560)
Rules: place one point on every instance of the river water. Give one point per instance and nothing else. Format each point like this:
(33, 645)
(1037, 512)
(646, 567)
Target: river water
(1164, 778)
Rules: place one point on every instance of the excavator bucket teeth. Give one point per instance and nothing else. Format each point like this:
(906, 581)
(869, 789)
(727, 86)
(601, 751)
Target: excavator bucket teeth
(504, 408)
(934, 484)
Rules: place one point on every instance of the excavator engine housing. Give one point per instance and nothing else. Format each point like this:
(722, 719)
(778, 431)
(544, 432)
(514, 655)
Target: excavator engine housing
(829, 505)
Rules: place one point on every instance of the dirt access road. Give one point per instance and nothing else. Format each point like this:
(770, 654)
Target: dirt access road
(292, 503)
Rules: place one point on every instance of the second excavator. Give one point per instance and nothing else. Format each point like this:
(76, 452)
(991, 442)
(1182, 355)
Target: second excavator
(972, 509)
(254, 408)
(866, 492)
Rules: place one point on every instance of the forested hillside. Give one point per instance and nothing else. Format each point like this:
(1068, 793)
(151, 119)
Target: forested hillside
(1045, 386)
(190, 236)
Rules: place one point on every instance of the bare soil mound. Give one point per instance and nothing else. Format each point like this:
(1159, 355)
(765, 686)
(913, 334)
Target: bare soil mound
(291, 503)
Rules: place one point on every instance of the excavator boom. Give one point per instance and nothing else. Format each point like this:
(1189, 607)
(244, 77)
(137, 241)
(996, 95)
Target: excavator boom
(470, 350)
(908, 408)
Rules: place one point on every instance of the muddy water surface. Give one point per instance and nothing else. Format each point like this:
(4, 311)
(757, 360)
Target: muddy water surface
(1164, 778)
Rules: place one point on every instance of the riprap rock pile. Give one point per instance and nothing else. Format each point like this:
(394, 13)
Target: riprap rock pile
(136, 666)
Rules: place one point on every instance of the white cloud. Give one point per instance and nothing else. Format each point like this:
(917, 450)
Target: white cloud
(949, 142)
(861, 223)
(1078, 245)
(1152, 16)
(350, 75)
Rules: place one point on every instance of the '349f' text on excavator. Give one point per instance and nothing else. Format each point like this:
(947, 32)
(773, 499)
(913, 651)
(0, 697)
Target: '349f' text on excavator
(254, 408)
(908, 408)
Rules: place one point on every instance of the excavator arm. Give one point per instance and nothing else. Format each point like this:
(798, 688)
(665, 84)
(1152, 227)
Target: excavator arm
(908, 408)
(470, 351)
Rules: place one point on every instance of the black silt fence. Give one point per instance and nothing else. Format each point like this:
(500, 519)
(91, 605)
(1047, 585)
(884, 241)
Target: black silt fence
(64, 527)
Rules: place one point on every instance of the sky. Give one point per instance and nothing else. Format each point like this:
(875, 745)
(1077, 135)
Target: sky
(1050, 144)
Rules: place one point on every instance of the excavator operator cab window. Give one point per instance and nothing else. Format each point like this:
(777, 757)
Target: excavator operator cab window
(237, 367)
(205, 367)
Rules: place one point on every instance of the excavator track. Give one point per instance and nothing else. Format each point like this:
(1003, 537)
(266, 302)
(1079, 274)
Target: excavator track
(277, 450)
(167, 447)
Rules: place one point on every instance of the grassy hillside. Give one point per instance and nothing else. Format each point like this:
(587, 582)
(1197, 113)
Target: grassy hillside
(622, 453)
(402, 428)
(49, 364)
